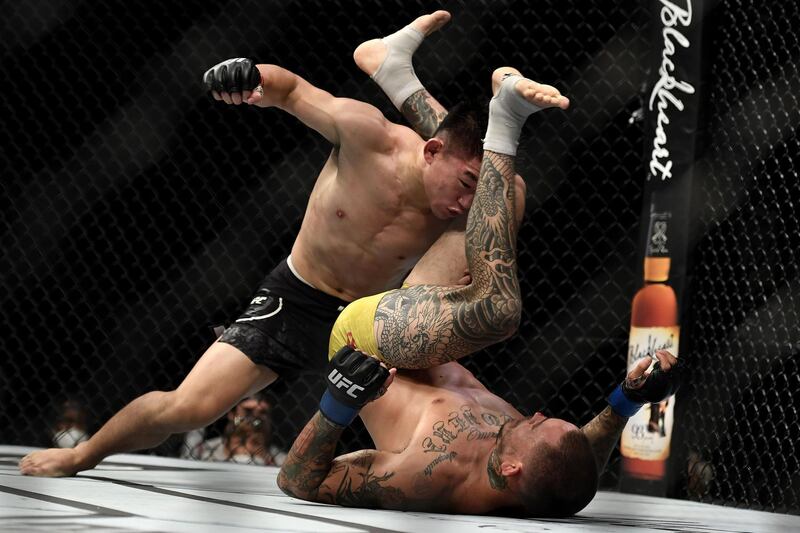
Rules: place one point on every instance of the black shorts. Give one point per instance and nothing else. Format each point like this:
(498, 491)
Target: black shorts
(287, 325)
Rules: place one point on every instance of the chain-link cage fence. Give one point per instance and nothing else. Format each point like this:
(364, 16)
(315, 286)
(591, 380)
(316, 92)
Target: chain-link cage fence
(740, 424)
(137, 213)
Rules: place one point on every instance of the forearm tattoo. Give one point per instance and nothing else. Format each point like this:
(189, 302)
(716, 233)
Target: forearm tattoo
(311, 461)
(603, 433)
(428, 325)
(310, 458)
(361, 486)
(420, 111)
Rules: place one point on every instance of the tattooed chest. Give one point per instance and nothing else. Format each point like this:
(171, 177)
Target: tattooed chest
(460, 429)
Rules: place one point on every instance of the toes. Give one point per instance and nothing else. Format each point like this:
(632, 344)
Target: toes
(545, 96)
(440, 19)
(428, 24)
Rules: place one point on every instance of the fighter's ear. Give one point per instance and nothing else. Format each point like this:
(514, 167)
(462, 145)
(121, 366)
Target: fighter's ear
(510, 468)
(432, 147)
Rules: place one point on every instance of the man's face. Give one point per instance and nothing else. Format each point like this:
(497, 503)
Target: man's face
(522, 434)
(252, 415)
(450, 184)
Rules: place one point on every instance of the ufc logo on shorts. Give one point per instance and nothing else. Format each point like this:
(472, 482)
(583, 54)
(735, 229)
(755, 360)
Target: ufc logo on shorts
(342, 382)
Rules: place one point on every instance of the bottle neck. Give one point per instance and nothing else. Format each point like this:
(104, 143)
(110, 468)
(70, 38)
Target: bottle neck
(656, 269)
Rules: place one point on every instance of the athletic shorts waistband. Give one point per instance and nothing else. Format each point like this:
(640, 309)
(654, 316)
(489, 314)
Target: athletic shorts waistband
(285, 280)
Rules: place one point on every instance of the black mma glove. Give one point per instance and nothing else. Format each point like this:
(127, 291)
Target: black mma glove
(232, 76)
(353, 380)
(660, 384)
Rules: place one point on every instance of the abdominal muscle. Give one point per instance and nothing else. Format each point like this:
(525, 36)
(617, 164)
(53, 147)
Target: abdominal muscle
(340, 267)
(357, 237)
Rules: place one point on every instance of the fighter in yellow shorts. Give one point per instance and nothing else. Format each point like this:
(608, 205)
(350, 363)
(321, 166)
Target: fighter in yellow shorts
(354, 327)
(420, 326)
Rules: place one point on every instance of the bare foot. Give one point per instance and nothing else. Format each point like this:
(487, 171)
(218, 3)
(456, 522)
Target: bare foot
(538, 94)
(370, 54)
(55, 462)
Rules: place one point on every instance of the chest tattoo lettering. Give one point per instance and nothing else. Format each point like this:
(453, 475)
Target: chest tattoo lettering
(443, 433)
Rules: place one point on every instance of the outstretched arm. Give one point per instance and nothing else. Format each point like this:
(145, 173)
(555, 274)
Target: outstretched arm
(339, 120)
(640, 386)
(603, 432)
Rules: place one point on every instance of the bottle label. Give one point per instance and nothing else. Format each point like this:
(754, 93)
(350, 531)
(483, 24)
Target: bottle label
(647, 434)
(657, 234)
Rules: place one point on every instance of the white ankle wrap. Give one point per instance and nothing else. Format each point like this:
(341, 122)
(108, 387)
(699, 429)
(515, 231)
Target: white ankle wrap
(396, 74)
(508, 111)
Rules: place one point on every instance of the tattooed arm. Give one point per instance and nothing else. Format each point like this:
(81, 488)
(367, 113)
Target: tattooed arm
(367, 478)
(424, 326)
(638, 388)
(641, 386)
(603, 433)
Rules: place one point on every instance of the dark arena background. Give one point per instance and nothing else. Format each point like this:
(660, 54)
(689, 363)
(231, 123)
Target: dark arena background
(136, 213)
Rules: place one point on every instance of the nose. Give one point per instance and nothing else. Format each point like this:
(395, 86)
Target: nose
(465, 201)
(538, 418)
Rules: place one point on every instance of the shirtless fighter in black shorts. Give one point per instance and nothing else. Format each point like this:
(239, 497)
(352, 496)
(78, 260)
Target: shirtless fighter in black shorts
(382, 198)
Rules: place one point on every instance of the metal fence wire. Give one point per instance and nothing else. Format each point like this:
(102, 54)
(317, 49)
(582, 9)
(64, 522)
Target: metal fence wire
(136, 213)
(741, 422)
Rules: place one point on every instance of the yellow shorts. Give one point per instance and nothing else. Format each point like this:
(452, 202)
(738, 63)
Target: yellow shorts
(355, 327)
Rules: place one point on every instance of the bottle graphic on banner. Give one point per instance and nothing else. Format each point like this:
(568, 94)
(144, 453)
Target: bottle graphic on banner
(654, 326)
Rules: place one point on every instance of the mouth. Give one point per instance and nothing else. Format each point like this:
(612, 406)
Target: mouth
(455, 211)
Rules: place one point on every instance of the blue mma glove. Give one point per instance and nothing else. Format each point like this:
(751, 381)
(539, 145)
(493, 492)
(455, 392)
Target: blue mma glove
(629, 396)
(233, 76)
(353, 380)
